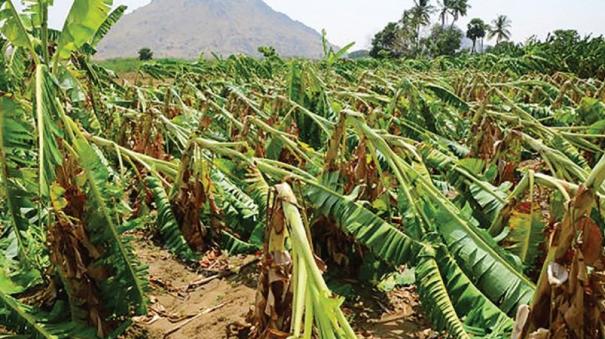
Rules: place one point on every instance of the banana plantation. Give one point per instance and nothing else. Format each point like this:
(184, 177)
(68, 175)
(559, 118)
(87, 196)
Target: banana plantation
(484, 175)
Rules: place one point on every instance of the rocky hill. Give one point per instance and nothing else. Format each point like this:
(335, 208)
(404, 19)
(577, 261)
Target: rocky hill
(186, 28)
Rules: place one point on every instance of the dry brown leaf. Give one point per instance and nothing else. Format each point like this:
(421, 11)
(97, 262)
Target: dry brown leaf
(592, 241)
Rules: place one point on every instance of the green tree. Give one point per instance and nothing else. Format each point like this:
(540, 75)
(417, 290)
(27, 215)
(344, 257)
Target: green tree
(384, 42)
(420, 16)
(507, 48)
(445, 8)
(563, 39)
(145, 54)
(267, 51)
(444, 40)
(408, 36)
(500, 29)
(476, 30)
(403, 38)
(458, 9)
(421, 12)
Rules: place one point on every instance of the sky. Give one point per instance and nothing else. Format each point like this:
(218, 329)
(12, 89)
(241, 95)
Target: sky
(358, 20)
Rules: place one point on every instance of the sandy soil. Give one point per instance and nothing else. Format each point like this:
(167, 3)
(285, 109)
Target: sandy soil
(179, 309)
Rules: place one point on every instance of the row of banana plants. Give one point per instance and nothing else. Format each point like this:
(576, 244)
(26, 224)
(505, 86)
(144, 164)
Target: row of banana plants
(487, 183)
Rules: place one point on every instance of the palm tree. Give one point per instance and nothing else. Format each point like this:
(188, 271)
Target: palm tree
(421, 12)
(458, 8)
(421, 15)
(476, 30)
(500, 29)
(445, 9)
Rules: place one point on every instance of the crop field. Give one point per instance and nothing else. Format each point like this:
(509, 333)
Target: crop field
(275, 198)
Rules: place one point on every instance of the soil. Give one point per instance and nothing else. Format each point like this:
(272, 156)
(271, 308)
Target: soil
(181, 308)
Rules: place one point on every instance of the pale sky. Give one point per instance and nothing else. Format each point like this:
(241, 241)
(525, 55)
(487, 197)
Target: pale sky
(359, 20)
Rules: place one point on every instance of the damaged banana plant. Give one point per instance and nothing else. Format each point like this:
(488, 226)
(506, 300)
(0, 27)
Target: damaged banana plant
(480, 174)
(292, 297)
(570, 286)
(67, 207)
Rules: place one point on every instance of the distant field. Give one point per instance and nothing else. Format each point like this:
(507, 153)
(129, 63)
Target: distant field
(127, 65)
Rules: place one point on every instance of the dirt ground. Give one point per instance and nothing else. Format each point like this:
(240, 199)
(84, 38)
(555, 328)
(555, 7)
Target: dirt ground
(187, 304)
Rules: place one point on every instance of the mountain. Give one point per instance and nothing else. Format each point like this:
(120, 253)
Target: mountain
(186, 28)
(359, 54)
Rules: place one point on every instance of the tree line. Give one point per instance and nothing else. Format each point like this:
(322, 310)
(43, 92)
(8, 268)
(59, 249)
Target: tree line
(404, 38)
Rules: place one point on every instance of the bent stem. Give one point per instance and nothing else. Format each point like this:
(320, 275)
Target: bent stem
(320, 304)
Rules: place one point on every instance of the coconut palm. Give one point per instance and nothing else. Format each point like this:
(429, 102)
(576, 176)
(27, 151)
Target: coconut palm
(445, 8)
(421, 12)
(500, 29)
(458, 9)
(421, 16)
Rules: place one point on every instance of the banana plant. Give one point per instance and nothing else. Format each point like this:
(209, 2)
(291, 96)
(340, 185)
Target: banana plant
(305, 301)
(481, 172)
(76, 204)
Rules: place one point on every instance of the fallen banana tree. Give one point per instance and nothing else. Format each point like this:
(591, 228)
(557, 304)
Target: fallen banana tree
(292, 297)
(570, 290)
(477, 173)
